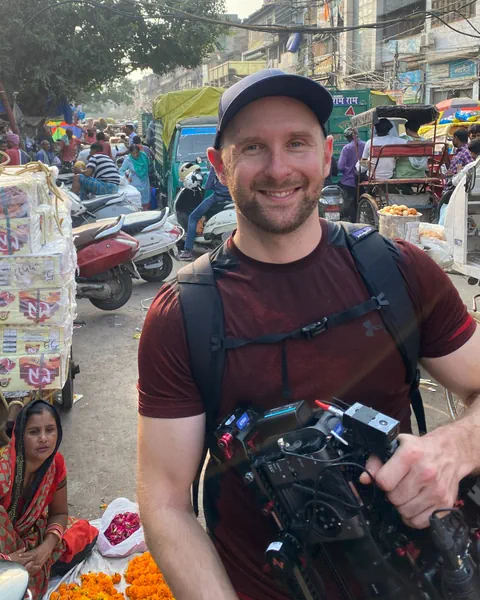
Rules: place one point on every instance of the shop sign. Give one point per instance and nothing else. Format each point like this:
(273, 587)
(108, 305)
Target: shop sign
(462, 68)
(340, 100)
(411, 86)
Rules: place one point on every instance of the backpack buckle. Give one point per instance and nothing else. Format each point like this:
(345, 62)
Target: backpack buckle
(312, 330)
(216, 344)
(380, 300)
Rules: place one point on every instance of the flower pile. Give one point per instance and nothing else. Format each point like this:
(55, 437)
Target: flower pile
(122, 527)
(146, 581)
(93, 586)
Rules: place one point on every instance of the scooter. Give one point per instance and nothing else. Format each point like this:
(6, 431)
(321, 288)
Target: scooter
(158, 236)
(105, 263)
(101, 207)
(220, 220)
(330, 205)
(14, 581)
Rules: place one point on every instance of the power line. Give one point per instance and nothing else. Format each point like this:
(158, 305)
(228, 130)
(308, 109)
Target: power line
(177, 14)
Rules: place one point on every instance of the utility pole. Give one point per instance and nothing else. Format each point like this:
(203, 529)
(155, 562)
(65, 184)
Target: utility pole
(8, 109)
(396, 64)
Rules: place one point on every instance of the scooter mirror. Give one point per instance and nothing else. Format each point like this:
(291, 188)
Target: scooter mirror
(13, 581)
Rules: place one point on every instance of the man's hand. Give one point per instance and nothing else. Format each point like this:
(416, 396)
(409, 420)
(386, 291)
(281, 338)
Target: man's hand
(424, 473)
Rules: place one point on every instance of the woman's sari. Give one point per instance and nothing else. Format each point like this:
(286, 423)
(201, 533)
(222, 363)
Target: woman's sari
(24, 514)
(139, 169)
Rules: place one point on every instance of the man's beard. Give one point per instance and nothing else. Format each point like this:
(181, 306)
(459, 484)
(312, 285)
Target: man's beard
(250, 207)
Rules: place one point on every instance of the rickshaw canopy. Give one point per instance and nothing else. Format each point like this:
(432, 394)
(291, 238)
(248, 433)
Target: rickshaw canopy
(421, 113)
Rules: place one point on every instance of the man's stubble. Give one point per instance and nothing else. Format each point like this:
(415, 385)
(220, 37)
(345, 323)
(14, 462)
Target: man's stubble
(249, 206)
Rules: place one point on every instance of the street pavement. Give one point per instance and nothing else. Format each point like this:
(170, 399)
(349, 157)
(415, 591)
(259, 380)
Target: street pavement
(99, 433)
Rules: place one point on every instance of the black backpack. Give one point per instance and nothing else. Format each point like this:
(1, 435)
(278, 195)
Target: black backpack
(376, 259)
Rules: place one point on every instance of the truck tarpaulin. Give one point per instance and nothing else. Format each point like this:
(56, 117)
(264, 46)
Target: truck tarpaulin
(173, 107)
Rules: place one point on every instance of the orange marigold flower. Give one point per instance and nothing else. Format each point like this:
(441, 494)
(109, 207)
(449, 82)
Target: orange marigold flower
(146, 581)
(93, 586)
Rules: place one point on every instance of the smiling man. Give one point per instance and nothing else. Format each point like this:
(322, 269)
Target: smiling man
(285, 268)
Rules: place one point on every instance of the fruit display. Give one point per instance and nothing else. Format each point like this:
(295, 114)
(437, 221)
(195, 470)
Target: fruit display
(401, 210)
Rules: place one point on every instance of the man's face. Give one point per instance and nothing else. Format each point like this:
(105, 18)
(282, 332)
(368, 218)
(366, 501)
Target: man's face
(69, 133)
(45, 145)
(274, 161)
(3, 146)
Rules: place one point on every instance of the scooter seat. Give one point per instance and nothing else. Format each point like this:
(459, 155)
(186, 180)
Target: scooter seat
(96, 203)
(137, 222)
(85, 234)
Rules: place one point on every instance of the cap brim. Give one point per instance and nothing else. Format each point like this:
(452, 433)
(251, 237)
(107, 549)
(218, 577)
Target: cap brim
(316, 97)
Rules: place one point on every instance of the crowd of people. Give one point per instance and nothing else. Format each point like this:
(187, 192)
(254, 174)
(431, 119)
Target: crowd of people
(90, 158)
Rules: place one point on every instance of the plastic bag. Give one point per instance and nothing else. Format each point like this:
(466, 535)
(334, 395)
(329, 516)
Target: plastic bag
(438, 250)
(135, 543)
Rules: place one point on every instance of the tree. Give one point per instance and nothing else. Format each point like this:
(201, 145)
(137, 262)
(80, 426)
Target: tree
(121, 92)
(87, 45)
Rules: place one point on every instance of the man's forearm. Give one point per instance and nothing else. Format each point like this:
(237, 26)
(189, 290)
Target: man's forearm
(466, 431)
(186, 556)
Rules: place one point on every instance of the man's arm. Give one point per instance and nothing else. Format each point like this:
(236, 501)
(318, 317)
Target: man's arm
(342, 161)
(424, 473)
(169, 452)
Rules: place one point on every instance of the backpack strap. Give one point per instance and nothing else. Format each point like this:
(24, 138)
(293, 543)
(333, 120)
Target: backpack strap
(202, 312)
(376, 259)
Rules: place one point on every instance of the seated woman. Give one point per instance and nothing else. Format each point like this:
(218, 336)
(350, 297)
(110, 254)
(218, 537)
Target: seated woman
(35, 529)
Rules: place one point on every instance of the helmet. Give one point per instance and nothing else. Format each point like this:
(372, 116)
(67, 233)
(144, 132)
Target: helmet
(186, 169)
(80, 165)
(193, 180)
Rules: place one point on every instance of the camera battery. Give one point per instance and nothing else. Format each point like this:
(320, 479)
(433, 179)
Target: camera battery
(371, 429)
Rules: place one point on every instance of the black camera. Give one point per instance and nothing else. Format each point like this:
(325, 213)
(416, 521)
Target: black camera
(304, 465)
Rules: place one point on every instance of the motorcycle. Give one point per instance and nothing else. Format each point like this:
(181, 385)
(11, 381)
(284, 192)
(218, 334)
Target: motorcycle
(220, 220)
(14, 581)
(105, 263)
(158, 236)
(330, 205)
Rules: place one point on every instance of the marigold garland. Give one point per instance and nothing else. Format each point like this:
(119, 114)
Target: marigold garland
(93, 586)
(146, 581)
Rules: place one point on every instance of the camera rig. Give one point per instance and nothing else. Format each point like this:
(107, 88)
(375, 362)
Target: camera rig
(304, 465)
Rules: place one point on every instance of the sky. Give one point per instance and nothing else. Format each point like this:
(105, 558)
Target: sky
(243, 8)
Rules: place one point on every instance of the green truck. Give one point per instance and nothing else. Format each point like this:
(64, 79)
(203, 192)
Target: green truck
(185, 126)
(347, 104)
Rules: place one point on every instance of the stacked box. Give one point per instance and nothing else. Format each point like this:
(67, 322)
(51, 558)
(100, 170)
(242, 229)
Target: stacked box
(37, 284)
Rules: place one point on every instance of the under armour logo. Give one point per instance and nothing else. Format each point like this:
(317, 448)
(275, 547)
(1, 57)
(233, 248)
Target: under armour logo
(371, 328)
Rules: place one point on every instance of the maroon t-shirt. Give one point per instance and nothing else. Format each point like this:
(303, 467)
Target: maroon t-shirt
(356, 362)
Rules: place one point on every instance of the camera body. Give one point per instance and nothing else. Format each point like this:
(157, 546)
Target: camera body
(304, 465)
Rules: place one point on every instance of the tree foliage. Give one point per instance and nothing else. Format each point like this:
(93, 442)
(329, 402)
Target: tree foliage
(119, 92)
(77, 47)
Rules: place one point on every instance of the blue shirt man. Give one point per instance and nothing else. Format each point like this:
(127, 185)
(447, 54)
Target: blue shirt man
(220, 194)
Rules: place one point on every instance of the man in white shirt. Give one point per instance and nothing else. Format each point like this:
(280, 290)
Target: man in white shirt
(385, 167)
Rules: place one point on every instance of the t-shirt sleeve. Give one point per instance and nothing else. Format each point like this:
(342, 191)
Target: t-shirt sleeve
(92, 163)
(444, 321)
(166, 388)
(366, 150)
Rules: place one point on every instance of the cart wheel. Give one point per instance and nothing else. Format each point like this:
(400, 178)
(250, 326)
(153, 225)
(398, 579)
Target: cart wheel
(367, 211)
(65, 397)
(456, 407)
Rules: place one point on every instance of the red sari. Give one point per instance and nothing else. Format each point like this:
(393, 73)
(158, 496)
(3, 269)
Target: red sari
(24, 527)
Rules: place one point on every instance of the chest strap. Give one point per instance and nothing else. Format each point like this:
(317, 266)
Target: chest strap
(308, 331)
